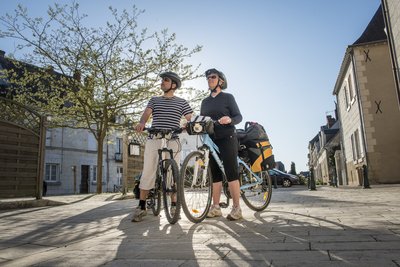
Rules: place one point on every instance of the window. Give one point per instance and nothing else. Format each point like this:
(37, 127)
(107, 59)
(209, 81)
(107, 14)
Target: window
(346, 96)
(356, 145)
(353, 147)
(119, 175)
(52, 171)
(94, 173)
(118, 145)
(351, 90)
(48, 137)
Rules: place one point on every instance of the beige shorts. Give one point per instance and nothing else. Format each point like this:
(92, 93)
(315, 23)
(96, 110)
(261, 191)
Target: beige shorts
(148, 179)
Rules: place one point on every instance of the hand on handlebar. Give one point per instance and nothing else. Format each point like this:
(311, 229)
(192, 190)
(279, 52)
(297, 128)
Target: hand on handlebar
(225, 120)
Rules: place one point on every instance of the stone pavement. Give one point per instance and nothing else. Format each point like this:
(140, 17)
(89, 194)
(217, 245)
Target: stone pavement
(347, 226)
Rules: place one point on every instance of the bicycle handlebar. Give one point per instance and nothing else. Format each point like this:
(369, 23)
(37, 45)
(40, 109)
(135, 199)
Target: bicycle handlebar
(152, 130)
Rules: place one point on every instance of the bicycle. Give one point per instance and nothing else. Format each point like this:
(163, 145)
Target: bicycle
(167, 176)
(195, 185)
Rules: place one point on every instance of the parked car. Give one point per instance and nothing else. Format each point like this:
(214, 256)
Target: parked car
(284, 179)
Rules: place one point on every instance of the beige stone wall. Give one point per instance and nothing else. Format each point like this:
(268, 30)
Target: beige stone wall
(394, 12)
(323, 163)
(350, 122)
(380, 112)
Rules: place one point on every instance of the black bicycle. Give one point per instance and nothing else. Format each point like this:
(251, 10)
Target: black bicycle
(167, 176)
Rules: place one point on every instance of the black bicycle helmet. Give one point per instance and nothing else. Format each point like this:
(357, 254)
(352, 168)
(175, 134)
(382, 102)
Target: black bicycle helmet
(220, 75)
(173, 76)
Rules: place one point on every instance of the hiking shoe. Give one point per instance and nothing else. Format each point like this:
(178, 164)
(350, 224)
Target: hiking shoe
(214, 212)
(138, 214)
(236, 214)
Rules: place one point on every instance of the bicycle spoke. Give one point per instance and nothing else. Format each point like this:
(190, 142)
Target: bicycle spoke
(195, 187)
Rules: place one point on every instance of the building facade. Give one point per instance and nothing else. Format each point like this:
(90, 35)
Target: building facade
(71, 161)
(391, 13)
(367, 108)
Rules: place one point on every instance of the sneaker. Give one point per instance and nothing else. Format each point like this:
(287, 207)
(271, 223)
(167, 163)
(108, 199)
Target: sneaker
(236, 214)
(214, 212)
(138, 214)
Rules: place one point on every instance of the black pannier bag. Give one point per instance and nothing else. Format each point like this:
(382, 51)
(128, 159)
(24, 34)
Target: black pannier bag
(257, 148)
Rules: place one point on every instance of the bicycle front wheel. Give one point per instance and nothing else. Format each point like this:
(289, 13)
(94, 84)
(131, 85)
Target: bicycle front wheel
(256, 188)
(169, 189)
(155, 197)
(195, 187)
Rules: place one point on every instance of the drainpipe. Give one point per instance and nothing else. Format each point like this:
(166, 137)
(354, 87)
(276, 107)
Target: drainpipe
(342, 148)
(363, 134)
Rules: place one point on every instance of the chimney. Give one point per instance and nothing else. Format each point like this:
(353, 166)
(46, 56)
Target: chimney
(330, 121)
(2, 53)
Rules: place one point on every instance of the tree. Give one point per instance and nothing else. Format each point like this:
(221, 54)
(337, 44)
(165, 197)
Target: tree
(293, 168)
(91, 76)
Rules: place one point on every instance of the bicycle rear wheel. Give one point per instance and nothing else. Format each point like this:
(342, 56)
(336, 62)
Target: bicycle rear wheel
(195, 187)
(258, 195)
(169, 189)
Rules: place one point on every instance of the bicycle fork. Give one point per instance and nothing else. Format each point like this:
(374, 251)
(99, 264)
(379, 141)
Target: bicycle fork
(204, 165)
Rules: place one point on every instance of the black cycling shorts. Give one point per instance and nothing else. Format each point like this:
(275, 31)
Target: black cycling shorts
(228, 152)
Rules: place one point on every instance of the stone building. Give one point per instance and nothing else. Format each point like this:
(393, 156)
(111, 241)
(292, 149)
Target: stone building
(368, 109)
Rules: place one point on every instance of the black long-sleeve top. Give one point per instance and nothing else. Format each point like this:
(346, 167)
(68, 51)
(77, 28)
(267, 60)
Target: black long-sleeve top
(223, 104)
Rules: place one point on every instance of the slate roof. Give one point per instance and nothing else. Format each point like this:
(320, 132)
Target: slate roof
(375, 31)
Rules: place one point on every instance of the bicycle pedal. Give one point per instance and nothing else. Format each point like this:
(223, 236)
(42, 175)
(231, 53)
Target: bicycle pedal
(223, 205)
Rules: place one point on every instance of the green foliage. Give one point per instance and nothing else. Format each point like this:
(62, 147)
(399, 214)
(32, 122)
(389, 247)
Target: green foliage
(89, 76)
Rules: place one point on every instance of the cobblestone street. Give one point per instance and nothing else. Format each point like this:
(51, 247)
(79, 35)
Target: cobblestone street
(328, 227)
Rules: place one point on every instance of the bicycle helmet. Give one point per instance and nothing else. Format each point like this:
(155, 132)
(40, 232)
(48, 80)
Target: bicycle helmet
(173, 76)
(220, 74)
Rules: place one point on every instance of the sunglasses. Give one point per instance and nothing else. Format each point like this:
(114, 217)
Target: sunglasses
(165, 79)
(212, 77)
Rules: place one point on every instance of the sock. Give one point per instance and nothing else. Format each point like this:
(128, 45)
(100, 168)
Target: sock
(142, 204)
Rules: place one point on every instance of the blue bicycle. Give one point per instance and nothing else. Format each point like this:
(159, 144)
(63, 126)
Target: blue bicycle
(195, 183)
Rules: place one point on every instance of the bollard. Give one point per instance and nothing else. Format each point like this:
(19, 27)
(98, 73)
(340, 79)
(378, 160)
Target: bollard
(275, 182)
(365, 177)
(312, 181)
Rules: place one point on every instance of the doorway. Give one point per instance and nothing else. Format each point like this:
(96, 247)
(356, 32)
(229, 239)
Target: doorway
(84, 187)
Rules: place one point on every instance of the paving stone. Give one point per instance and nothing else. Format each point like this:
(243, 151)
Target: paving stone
(345, 226)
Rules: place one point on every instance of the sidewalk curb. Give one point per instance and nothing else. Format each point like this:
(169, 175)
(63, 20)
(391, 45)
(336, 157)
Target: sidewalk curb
(9, 204)
(23, 204)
